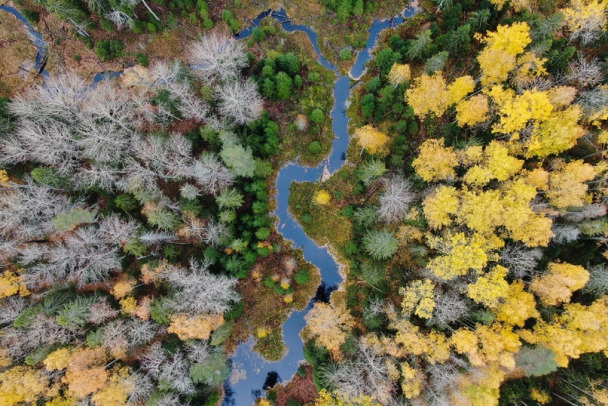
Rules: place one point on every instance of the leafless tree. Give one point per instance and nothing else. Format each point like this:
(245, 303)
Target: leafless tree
(142, 391)
(26, 210)
(197, 291)
(175, 371)
(520, 260)
(565, 233)
(153, 359)
(585, 73)
(239, 101)
(214, 232)
(586, 212)
(217, 56)
(197, 351)
(101, 312)
(395, 200)
(140, 332)
(119, 18)
(366, 375)
(211, 174)
(10, 308)
(449, 307)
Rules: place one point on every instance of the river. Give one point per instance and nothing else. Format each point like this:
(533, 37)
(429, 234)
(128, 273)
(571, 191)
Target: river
(255, 373)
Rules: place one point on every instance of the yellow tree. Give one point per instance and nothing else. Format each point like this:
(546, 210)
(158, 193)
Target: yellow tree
(556, 286)
(517, 307)
(331, 326)
(197, 327)
(399, 73)
(117, 391)
(567, 187)
(490, 288)
(428, 94)
(435, 161)
(460, 88)
(558, 133)
(473, 110)
(321, 197)
(460, 254)
(440, 206)
(371, 139)
(22, 385)
(418, 297)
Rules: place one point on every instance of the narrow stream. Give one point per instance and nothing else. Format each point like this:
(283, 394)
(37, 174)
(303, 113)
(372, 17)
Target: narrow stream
(250, 372)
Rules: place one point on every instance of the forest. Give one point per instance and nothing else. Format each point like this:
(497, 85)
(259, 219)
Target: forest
(142, 245)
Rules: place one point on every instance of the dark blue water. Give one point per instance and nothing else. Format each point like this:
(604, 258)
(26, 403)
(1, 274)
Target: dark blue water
(256, 373)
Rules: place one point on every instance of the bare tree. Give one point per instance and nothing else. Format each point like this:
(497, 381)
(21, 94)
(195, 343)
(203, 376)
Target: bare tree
(449, 308)
(395, 200)
(585, 73)
(520, 260)
(565, 233)
(217, 56)
(196, 291)
(10, 308)
(211, 174)
(586, 212)
(240, 101)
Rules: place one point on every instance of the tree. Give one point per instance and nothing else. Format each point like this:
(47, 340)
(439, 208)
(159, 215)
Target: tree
(536, 361)
(329, 325)
(473, 110)
(380, 244)
(436, 62)
(399, 73)
(197, 327)
(22, 384)
(217, 56)
(240, 101)
(395, 200)
(284, 86)
(211, 175)
(428, 95)
(239, 159)
(317, 116)
(440, 206)
(520, 261)
(371, 139)
(585, 20)
(229, 199)
(420, 47)
(418, 298)
(371, 170)
(557, 286)
(321, 197)
(460, 254)
(435, 162)
(490, 288)
(567, 187)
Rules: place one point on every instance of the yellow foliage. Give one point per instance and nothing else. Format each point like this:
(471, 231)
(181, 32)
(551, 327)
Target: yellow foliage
(460, 254)
(3, 177)
(58, 359)
(586, 15)
(326, 398)
(557, 285)
(263, 332)
(321, 197)
(399, 73)
(541, 397)
(495, 65)
(61, 401)
(418, 297)
(440, 205)
(83, 382)
(490, 288)
(460, 88)
(567, 187)
(511, 38)
(371, 139)
(288, 298)
(434, 346)
(473, 110)
(517, 307)
(330, 325)
(529, 67)
(117, 391)
(435, 161)
(128, 305)
(122, 288)
(499, 165)
(518, 111)
(558, 133)
(22, 384)
(428, 94)
(539, 178)
(197, 327)
(412, 382)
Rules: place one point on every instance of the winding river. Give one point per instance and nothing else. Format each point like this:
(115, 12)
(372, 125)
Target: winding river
(251, 373)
